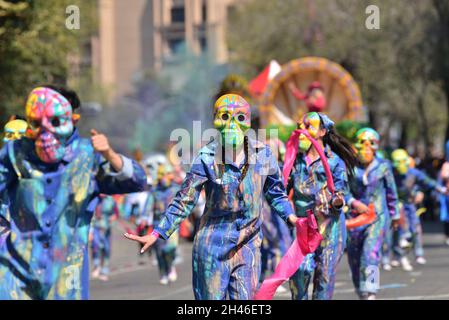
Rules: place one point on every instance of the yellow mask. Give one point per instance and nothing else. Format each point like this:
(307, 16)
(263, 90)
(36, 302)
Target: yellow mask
(401, 161)
(14, 130)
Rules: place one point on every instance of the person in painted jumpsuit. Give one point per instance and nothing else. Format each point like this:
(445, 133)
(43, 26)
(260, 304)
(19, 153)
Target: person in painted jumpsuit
(106, 213)
(14, 129)
(373, 182)
(443, 178)
(163, 194)
(236, 171)
(53, 178)
(307, 181)
(409, 182)
(276, 234)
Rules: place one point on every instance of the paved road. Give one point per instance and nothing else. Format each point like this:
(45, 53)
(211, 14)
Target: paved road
(129, 280)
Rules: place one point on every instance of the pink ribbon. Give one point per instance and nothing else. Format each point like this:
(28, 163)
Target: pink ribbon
(292, 150)
(308, 239)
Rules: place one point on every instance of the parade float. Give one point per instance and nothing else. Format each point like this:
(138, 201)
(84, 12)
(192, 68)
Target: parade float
(284, 93)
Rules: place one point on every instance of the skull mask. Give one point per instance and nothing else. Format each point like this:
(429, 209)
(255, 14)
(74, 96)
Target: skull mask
(312, 123)
(49, 116)
(14, 130)
(232, 117)
(367, 144)
(401, 160)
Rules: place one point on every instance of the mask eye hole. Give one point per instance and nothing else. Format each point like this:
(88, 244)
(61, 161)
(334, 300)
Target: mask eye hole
(241, 117)
(225, 117)
(55, 122)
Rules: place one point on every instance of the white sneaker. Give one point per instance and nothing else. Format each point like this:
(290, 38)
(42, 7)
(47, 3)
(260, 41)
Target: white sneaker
(164, 281)
(406, 266)
(447, 241)
(172, 276)
(371, 296)
(178, 260)
(421, 260)
(404, 243)
(386, 267)
(103, 277)
(281, 289)
(395, 263)
(96, 273)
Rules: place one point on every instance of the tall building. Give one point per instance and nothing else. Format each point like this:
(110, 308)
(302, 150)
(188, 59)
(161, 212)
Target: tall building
(142, 35)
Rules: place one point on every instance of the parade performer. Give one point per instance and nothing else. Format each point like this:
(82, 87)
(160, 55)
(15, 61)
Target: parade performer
(53, 178)
(163, 194)
(314, 98)
(276, 234)
(106, 213)
(14, 129)
(444, 199)
(372, 183)
(409, 182)
(236, 171)
(312, 195)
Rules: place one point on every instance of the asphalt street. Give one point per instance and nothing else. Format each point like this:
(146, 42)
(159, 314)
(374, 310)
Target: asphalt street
(131, 280)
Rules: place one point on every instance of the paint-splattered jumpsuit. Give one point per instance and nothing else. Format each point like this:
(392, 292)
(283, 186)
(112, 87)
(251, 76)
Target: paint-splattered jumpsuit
(408, 185)
(101, 242)
(373, 184)
(51, 207)
(275, 243)
(226, 250)
(165, 249)
(310, 193)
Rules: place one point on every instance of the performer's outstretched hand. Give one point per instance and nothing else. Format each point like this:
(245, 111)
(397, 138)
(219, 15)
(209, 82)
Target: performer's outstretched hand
(147, 240)
(101, 144)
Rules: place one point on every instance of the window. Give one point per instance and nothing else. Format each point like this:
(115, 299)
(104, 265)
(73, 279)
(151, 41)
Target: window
(177, 14)
(204, 12)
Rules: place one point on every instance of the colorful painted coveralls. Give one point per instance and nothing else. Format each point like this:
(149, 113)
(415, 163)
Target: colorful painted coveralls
(310, 193)
(165, 249)
(408, 185)
(102, 227)
(226, 250)
(372, 184)
(276, 241)
(444, 199)
(51, 206)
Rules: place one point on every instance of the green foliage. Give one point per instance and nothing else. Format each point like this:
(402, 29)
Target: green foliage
(394, 66)
(36, 47)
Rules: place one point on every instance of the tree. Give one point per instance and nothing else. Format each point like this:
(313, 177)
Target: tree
(392, 65)
(36, 46)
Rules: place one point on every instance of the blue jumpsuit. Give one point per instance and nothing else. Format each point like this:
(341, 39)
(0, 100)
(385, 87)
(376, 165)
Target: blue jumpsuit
(373, 184)
(226, 249)
(275, 243)
(101, 242)
(408, 185)
(165, 249)
(51, 206)
(310, 193)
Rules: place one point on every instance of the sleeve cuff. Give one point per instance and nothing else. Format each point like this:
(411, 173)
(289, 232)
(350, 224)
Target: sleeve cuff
(126, 172)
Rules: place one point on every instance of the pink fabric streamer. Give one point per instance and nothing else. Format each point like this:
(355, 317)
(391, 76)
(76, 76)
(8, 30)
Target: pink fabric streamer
(292, 150)
(308, 239)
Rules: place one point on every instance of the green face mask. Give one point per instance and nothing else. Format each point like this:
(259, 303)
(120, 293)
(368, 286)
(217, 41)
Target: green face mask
(232, 118)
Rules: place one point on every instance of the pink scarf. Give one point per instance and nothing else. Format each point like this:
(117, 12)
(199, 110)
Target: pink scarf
(308, 237)
(292, 151)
